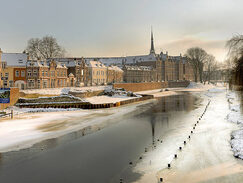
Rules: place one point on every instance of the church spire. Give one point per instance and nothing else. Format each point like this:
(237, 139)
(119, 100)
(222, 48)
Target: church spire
(152, 51)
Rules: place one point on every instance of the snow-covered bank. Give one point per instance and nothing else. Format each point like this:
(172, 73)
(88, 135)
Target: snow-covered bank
(28, 129)
(59, 91)
(236, 116)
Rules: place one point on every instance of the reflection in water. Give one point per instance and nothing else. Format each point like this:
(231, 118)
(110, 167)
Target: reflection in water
(105, 154)
(160, 113)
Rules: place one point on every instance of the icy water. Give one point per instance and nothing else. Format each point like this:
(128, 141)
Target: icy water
(106, 155)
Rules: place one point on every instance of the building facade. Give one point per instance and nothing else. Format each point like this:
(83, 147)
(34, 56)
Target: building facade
(78, 68)
(13, 72)
(42, 74)
(114, 74)
(97, 73)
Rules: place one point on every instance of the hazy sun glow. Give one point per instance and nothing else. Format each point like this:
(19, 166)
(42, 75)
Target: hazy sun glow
(122, 27)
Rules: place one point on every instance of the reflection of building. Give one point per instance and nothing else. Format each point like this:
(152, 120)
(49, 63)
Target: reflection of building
(13, 72)
(41, 74)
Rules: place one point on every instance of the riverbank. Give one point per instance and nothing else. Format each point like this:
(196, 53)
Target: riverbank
(207, 156)
(29, 126)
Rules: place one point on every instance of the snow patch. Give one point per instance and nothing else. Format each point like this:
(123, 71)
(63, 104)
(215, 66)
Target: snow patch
(236, 116)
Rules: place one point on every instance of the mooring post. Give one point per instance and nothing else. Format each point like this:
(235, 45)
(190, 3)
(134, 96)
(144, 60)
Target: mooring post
(12, 114)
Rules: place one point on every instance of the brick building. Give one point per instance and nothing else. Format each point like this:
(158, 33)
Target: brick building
(42, 74)
(77, 68)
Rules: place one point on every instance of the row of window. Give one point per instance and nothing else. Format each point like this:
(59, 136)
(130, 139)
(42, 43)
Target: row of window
(99, 73)
(99, 80)
(60, 83)
(45, 73)
(17, 73)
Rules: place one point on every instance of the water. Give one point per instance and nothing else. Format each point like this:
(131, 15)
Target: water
(102, 156)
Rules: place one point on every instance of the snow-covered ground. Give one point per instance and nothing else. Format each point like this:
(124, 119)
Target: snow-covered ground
(206, 157)
(104, 99)
(27, 129)
(59, 91)
(29, 126)
(236, 116)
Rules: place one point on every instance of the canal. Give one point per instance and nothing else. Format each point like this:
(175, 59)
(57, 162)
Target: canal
(106, 155)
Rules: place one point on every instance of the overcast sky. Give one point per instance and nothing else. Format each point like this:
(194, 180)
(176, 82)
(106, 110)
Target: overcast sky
(121, 27)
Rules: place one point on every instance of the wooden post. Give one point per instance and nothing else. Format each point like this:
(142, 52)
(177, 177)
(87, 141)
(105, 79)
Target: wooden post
(12, 114)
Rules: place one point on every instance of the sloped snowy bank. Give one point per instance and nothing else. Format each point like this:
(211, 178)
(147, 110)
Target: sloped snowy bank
(236, 116)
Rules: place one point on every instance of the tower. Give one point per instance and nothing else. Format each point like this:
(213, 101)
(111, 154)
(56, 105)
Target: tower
(152, 51)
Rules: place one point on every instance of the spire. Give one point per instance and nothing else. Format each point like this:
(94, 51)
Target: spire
(152, 51)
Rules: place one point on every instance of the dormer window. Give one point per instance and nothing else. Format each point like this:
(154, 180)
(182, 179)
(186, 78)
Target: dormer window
(20, 61)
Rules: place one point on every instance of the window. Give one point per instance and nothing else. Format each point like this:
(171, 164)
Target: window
(34, 72)
(52, 73)
(6, 74)
(11, 83)
(57, 73)
(17, 73)
(38, 83)
(22, 73)
(46, 73)
(4, 65)
(43, 73)
(61, 73)
(29, 72)
(20, 61)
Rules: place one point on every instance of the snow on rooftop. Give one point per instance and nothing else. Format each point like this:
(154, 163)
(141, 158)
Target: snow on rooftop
(15, 59)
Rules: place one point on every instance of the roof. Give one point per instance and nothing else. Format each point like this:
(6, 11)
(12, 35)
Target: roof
(96, 64)
(144, 68)
(15, 59)
(113, 67)
(140, 58)
(41, 63)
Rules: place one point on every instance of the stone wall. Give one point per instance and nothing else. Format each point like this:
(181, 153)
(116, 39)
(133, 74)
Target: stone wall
(150, 86)
(14, 96)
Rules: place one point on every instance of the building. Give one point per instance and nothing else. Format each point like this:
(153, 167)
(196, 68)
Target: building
(114, 74)
(42, 74)
(13, 70)
(76, 67)
(97, 73)
(161, 67)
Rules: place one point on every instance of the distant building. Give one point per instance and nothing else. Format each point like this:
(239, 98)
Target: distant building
(141, 68)
(138, 74)
(13, 72)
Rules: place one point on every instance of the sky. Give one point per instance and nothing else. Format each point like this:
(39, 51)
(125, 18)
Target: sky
(93, 28)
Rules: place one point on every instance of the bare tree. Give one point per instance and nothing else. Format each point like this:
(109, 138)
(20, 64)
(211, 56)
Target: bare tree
(44, 48)
(235, 45)
(197, 57)
(210, 67)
